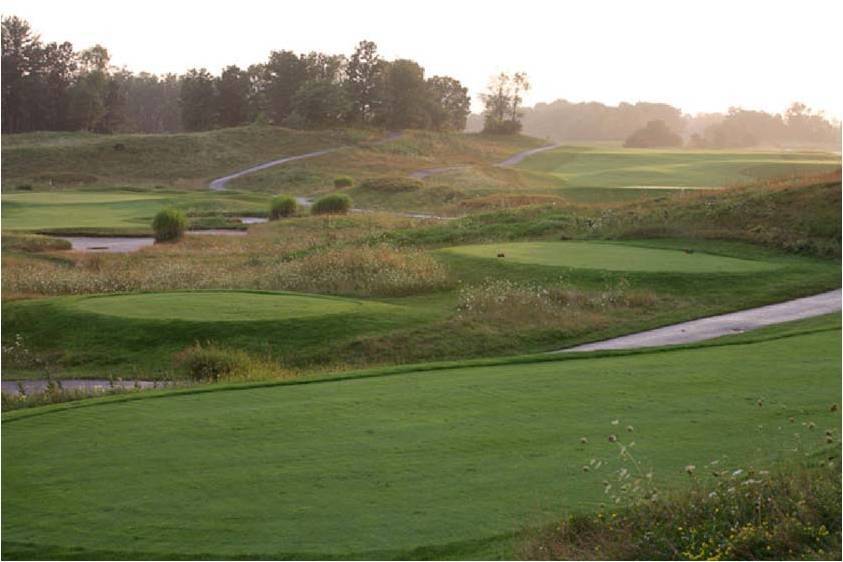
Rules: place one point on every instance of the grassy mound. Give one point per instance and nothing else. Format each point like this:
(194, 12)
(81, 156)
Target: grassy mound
(611, 257)
(175, 158)
(216, 306)
(387, 466)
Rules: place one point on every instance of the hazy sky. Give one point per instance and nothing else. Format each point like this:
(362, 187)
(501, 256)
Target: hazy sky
(699, 55)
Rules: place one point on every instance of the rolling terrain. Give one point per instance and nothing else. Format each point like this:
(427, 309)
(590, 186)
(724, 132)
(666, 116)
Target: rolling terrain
(377, 384)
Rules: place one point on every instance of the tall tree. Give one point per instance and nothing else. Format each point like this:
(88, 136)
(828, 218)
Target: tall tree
(88, 103)
(502, 99)
(198, 100)
(319, 103)
(362, 80)
(450, 103)
(404, 96)
(19, 46)
(283, 74)
(234, 88)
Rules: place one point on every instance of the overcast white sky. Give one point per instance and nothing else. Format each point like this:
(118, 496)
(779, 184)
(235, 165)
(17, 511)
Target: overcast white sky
(698, 55)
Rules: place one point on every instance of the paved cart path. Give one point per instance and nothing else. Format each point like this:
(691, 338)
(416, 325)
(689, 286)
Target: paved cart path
(723, 325)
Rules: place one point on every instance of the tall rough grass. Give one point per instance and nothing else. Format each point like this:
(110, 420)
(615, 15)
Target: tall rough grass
(334, 204)
(169, 225)
(727, 512)
(498, 301)
(282, 206)
(213, 363)
(362, 271)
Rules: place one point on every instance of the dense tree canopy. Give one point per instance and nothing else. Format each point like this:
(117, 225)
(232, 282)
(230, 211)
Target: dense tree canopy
(563, 120)
(654, 135)
(53, 87)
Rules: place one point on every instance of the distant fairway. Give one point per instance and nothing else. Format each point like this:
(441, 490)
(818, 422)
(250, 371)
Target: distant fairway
(582, 166)
(219, 306)
(448, 460)
(611, 257)
(116, 210)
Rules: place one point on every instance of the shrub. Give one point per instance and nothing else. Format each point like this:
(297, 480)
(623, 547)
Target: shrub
(338, 203)
(24, 187)
(392, 184)
(343, 181)
(169, 225)
(282, 206)
(211, 363)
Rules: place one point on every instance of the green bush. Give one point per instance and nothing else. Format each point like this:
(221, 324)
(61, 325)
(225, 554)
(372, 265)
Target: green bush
(169, 225)
(338, 203)
(282, 206)
(343, 181)
(392, 184)
(211, 363)
(208, 363)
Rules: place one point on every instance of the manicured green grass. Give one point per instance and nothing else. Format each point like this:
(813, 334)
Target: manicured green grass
(116, 211)
(427, 463)
(222, 306)
(596, 167)
(141, 332)
(611, 257)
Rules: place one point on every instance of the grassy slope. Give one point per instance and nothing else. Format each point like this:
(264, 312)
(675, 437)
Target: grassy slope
(432, 463)
(182, 160)
(800, 216)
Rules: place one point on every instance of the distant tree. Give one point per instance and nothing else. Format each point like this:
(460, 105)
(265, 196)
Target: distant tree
(362, 81)
(319, 66)
(450, 103)
(115, 102)
(234, 88)
(198, 100)
(503, 99)
(20, 48)
(58, 73)
(319, 102)
(403, 93)
(284, 73)
(88, 96)
(654, 135)
(742, 128)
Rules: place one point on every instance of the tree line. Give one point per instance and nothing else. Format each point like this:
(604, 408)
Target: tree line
(50, 86)
(646, 123)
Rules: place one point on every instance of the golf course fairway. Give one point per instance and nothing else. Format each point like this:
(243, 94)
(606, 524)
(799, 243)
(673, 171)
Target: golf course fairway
(219, 306)
(416, 463)
(611, 257)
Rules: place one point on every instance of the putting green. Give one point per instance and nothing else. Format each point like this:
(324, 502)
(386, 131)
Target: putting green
(611, 257)
(219, 306)
(372, 468)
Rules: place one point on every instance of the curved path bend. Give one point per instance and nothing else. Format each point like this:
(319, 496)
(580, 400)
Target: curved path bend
(516, 159)
(219, 183)
(722, 325)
